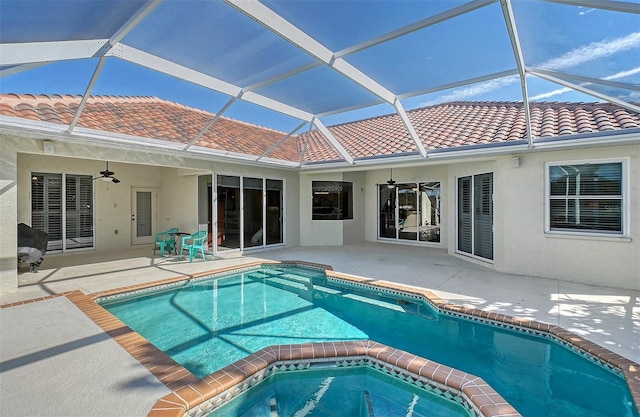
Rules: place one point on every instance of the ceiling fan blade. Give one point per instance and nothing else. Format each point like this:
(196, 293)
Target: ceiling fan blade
(115, 180)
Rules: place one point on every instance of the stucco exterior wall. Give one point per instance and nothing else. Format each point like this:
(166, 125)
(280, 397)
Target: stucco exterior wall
(526, 248)
(521, 245)
(174, 178)
(317, 232)
(8, 220)
(354, 229)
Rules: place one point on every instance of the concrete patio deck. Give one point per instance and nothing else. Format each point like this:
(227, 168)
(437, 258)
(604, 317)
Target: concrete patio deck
(45, 344)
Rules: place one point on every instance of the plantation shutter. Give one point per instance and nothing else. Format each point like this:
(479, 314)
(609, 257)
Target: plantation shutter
(79, 211)
(475, 215)
(46, 207)
(47, 196)
(483, 215)
(464, 214)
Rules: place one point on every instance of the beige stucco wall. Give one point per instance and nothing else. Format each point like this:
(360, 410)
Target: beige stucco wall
(526, 249)
(317, 232)
(8, 220)
(354, 229)
(521, 245)
(173, 177)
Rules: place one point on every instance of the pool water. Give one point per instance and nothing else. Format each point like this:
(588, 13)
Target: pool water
(209, 324)
(339, 392)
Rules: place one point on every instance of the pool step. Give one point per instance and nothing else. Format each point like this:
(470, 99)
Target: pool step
(273, 407)
(368, 404)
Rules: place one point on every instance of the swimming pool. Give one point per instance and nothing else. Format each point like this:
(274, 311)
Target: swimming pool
(210, 323)
(357, 392)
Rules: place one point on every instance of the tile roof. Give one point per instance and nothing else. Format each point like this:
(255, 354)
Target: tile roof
(153, 118)
(441, 126)
(469, 123)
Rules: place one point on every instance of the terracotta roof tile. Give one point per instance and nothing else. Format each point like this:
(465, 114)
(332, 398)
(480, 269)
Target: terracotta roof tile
(440, 126)
(150, 117)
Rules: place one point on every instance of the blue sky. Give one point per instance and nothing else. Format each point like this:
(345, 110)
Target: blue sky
(567, 39)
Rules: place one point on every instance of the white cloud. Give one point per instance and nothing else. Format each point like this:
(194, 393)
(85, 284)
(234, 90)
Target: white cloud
(559, 91)
(593, 51)
(573, 58)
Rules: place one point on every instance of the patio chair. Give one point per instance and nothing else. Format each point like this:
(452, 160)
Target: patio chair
(165, 240)
(193, 244)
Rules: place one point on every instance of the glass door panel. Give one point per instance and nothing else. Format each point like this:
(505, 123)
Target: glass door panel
(429, 205)
(387, 210)
(228, 209)
(408, 216)
(274, 212)
(205, 209)
(142, 215)
(253, 219)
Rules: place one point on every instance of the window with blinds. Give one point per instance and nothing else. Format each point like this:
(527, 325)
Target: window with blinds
(586, 197)
(62, 206)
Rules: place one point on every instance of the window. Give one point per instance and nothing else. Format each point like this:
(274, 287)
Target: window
(62, 207)
(332, 200)
(586, 198)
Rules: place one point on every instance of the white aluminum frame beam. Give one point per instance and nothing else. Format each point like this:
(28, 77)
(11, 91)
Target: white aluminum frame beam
(134, 20)
(38, 52)
(20, 68)
(281, 141)
(582, 78)
(210, 123)
(507, 11)
(409, 127)
(429, 21)
(87, 93)
(289, 32)
(468, 81)
(585, 90)
(337, 145)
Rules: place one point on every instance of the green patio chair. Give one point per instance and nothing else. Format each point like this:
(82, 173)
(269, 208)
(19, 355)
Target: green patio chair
(194, 243)
(165, 240)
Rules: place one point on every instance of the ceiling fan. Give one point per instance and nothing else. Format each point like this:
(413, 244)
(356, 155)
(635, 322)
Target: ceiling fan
(107, 175)
(391, 183)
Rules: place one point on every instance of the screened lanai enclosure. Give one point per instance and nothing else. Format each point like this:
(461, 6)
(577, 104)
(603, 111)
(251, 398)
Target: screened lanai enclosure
(478, 127)
(300, 66)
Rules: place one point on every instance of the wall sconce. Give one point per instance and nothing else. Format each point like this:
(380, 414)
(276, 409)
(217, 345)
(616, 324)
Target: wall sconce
(515, 161)
(48, 147)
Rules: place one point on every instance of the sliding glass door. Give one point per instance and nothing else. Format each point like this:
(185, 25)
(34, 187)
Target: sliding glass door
(249, 212)
(409, 212)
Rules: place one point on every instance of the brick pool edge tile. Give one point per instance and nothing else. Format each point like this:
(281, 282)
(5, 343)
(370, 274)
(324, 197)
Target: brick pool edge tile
(191, 393)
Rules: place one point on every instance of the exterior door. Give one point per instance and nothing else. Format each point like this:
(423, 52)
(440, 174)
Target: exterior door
(143, 215)
(475, 215)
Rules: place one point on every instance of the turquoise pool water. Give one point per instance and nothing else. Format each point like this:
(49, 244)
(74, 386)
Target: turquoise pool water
(339, 391)
(210, 324)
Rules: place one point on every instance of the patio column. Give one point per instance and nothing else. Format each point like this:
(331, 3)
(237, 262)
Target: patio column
(8, 220)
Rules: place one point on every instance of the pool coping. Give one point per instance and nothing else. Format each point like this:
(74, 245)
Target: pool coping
(190, 393)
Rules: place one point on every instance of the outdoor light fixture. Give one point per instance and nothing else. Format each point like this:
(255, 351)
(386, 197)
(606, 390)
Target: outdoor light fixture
(391, 183)
(108, 175)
